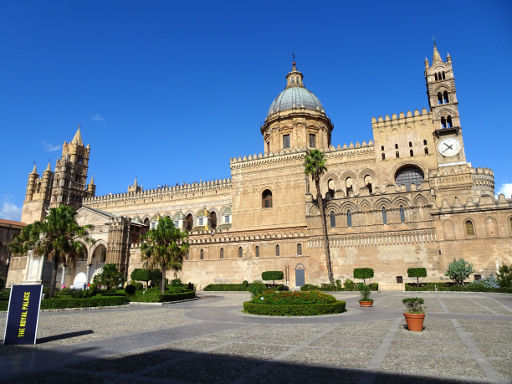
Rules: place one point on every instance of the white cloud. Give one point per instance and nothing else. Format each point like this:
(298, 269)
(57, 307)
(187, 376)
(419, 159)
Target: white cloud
(10, 211)
(50, 147)
(97, 117)
(506, 189)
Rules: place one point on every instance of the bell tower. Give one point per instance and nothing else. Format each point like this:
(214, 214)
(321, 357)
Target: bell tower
(69, 184)
(442, 100)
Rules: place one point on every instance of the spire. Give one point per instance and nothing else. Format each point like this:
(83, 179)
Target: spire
(92, 180)
(426, 63)
(135, 182)
(294, 77)
(49, 166)
(34, 170)
(77, 139)
(436, 57)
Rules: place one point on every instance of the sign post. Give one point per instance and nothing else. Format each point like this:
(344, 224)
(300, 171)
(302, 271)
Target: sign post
(23, 314)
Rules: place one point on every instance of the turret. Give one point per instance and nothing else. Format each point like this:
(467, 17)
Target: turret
(31, 184)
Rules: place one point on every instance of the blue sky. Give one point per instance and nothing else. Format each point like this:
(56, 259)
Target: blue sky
(169, 91)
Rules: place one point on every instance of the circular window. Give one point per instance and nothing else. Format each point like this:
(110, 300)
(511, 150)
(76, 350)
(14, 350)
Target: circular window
(409, 175)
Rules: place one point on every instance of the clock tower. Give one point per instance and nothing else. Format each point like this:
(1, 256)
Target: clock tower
(442, 100)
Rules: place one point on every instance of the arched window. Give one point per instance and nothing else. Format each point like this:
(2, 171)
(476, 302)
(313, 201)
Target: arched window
(201, 255)
(240, 252)
(402, 214)
(444, 77)
(424, 142)
(470, 228)
(426, 151)
(384, 216)
(349, 218)
(189, 222)
(299, 249)
(397, 155)
(382, 148)
(277, 250)
(443, 122)
(213, 220)
(332, 217)
(439, 98)
(409, 175)
(449, 121)
(383, 156)
(330, 189)
(411, 153)
(146, 222)
(445, 97)
(221, 255)
(266, 199)
(435, 76)
(348, 186)
(368, 183)
(410, 144)
(257, 251)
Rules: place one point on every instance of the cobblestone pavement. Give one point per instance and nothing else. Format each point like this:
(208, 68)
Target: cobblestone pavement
(467, 338)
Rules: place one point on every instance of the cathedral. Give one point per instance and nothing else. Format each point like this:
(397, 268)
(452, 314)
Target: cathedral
(408, 198)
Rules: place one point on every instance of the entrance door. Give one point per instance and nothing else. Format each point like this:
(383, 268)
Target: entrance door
(299, 275)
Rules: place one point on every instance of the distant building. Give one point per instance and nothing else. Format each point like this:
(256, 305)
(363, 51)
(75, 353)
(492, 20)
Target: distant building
(8, 229)
(407, 198)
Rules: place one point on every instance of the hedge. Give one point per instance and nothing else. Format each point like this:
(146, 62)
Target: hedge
(97, 301)
(226, 287)
(3, 305)
(444, 286)
(157, 297)
(294, 310)
(272, 275)
(334, 288)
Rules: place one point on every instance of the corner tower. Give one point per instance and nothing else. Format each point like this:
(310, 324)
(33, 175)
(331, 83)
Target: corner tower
(69, 184)
(442, 100)
(296, 118)
(37, 196)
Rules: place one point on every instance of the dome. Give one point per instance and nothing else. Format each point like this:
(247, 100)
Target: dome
(295, 97)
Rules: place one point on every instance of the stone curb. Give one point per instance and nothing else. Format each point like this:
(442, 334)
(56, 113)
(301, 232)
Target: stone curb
(459, 292)
(162, 303)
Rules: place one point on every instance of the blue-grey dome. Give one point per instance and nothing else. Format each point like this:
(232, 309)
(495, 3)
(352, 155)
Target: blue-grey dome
(295, 97)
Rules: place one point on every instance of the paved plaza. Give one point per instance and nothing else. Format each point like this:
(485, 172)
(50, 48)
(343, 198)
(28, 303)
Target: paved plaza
(467, 338)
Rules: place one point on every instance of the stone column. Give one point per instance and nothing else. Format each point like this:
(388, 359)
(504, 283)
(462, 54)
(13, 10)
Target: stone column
(63, 277)
(88, 272)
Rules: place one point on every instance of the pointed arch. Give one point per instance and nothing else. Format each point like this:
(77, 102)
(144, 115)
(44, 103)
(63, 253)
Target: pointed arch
(420, 201)
(382, 203)
(365, 205)
(491, 226)
(401, 201)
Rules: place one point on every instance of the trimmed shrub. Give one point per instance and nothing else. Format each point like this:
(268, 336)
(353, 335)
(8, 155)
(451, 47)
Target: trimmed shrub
(459, 270)
(349, 285)
(109, 277)
(294, 310)
(338, 285)
(365, 292)
(176, 283)
(226, 287)
(272, 275)
(139, 274)
(309, 287)
(449, 286)
(256, 287)
(137, 285)
(98, 301)
(363, 273)
(3, 305)
(130, 289)
(245, 283)
(154, 296)
(417, 273)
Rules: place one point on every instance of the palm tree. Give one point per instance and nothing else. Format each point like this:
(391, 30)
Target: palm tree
(315, 166)
(56, 237)
(164, 247)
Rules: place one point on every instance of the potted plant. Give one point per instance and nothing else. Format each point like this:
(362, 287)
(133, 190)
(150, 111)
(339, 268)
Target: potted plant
(414, 313)
(365, 300)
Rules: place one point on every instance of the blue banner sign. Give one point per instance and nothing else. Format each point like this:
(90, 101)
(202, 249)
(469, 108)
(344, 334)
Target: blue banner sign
(23, 314)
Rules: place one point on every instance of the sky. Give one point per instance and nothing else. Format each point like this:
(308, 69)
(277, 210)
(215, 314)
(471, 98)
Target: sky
(169, 91)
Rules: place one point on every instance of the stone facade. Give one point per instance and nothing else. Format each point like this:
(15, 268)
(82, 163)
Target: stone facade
(8, 229)
(407, 198)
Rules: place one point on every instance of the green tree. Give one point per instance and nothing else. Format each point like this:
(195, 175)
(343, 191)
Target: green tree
(56, 237)
(139, 274)
(417, 273)
(315, 167)
(272, 275)
(110, 277)
(164, 247)
(505, 276)
(459, 270)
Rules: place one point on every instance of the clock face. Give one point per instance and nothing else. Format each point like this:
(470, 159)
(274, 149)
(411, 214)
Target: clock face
(449, 147)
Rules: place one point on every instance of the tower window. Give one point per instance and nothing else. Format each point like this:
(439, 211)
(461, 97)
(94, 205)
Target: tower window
(221, 253)
(266, 199)
(383, 156)
(435, 76)
(189, 222)
(411, 153)
(349, 218)
(426, 151)
(424, 142)
(201, 255)
(299, 249)
(443, 122)
(368, 183)
(410, 144)
(384, 216)
(268, 146)
(312, 140)
(286, 141)
(439, 98)
(257, 251)
(444, 77)
(445, 97)
(332, 217)
(449, 121)
(402, 214)
(240, 252)
(397, 155)
(470, 229)
(213, 220)
(348, 185)
(382, 148)
(396, 146)
(277, 250)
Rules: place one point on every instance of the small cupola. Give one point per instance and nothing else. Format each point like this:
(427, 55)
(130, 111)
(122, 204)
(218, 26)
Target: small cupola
(294, 77)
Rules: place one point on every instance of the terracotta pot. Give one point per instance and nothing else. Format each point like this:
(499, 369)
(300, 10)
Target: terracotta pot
(414, 321)
(365, 303)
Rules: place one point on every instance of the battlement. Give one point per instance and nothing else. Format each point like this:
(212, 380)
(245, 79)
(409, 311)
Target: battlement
(402, 118)
(452, 171)
(163, 191)
(484, 202)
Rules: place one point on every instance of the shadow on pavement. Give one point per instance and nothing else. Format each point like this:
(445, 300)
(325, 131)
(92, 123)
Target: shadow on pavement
(176, 366)
(63, 336)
